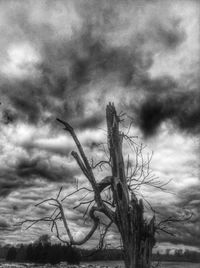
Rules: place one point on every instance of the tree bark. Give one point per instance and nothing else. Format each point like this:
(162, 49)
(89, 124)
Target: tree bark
(136, 234)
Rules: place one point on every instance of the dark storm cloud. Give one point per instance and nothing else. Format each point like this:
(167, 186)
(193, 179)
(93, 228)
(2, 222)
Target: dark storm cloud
(171, 35)
(92, 121)
(4, 224)
(31, 99)
(8, 116)
(24, 173)
(68, 66)
(10, 182)
(23, 101)
(182, 109)
(37, 168)
(158, 86)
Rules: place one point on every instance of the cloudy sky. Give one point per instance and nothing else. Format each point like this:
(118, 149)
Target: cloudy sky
(68, 59)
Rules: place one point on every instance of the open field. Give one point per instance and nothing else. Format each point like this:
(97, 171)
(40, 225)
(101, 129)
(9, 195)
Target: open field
(98, 264)
(162, 265)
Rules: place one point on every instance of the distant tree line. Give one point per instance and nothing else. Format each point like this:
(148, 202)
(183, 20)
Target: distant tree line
(116, 254)
(43, 253)
(178, 256)
(101, 255)
(40, 252)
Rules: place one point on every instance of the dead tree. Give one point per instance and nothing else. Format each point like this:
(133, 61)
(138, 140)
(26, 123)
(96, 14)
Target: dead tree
(125, 209)
(137, 235)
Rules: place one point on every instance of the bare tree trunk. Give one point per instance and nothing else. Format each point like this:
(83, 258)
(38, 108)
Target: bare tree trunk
(137, 236)
(139, 239)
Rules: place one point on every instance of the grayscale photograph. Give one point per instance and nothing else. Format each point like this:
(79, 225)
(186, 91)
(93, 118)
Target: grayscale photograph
(99, 133)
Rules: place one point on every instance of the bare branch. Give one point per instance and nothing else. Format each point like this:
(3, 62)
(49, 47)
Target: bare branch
(83, 203)
(80, 163)
(59, 193)
(33, 221)
(105, 182)
(164, 225)
(83, 164)
(103, 234)
(69, 128)
(93, 229)
(80, 189)
(100, 164)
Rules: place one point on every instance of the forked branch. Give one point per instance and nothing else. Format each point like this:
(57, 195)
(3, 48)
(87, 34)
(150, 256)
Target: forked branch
(53, 219)
(87, 171)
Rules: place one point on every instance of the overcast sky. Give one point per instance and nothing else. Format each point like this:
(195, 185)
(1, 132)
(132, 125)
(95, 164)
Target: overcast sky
(68, 59)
